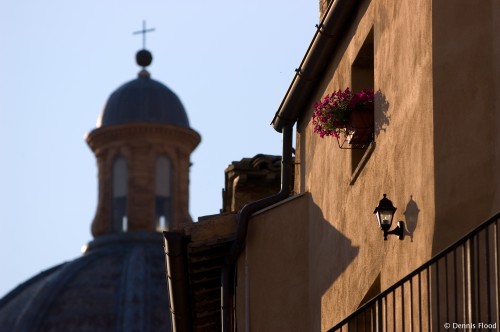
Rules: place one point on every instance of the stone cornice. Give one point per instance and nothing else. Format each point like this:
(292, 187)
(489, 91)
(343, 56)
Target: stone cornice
(139, 132)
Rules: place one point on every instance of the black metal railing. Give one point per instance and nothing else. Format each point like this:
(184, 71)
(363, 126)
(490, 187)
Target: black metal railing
(458, 289)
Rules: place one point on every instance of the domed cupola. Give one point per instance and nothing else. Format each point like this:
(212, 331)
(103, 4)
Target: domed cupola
(142, 146)
(143, 100)
(142, 143)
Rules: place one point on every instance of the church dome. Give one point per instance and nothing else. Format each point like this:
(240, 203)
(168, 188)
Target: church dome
(143, 100)
(119, 284)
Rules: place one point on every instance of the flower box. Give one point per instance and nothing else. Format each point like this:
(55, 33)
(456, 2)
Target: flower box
(360, 129)
(347, 117)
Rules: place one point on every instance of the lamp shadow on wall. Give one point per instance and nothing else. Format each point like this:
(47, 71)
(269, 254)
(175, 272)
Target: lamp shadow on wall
(411, 216)
(330, 254)
(382, 120)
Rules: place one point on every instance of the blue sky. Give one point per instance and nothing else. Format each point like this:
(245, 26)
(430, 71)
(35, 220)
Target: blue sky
(230, 62)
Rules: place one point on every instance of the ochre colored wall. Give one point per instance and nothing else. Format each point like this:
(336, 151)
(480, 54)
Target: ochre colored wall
(273, 270)
(466, 102)
(401, 164)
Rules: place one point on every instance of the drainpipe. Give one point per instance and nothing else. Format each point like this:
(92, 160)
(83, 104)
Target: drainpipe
(243, 218)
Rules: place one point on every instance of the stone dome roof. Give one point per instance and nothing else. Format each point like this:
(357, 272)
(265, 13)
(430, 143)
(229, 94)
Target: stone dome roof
(119, 284)
(143, 100)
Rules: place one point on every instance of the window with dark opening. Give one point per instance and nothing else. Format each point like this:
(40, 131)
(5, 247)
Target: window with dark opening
(362, 77)
(119, 178)
(163, 193)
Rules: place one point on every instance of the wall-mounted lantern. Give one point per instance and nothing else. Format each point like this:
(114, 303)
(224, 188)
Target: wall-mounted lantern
(385, 213)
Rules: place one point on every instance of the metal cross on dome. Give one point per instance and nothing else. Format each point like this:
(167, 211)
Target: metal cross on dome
(144, 31)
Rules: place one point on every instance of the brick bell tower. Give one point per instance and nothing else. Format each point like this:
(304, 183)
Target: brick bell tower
(142, 143)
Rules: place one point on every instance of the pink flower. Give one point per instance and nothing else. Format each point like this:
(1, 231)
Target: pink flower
(332, 113)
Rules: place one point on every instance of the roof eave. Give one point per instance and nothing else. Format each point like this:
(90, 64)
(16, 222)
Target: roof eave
(317, 57)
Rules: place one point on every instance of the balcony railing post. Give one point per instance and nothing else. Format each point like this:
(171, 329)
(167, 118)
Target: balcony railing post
(469, 246)
(497, 270)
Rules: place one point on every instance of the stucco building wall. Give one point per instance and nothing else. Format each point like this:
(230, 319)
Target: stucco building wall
(272, 275)
(466, 103)
(401, 164)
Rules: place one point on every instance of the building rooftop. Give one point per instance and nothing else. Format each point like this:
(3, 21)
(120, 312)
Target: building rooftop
(143, 100)
(118, 284)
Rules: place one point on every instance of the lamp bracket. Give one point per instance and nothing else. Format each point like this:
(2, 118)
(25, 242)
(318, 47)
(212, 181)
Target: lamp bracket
(399, 231)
